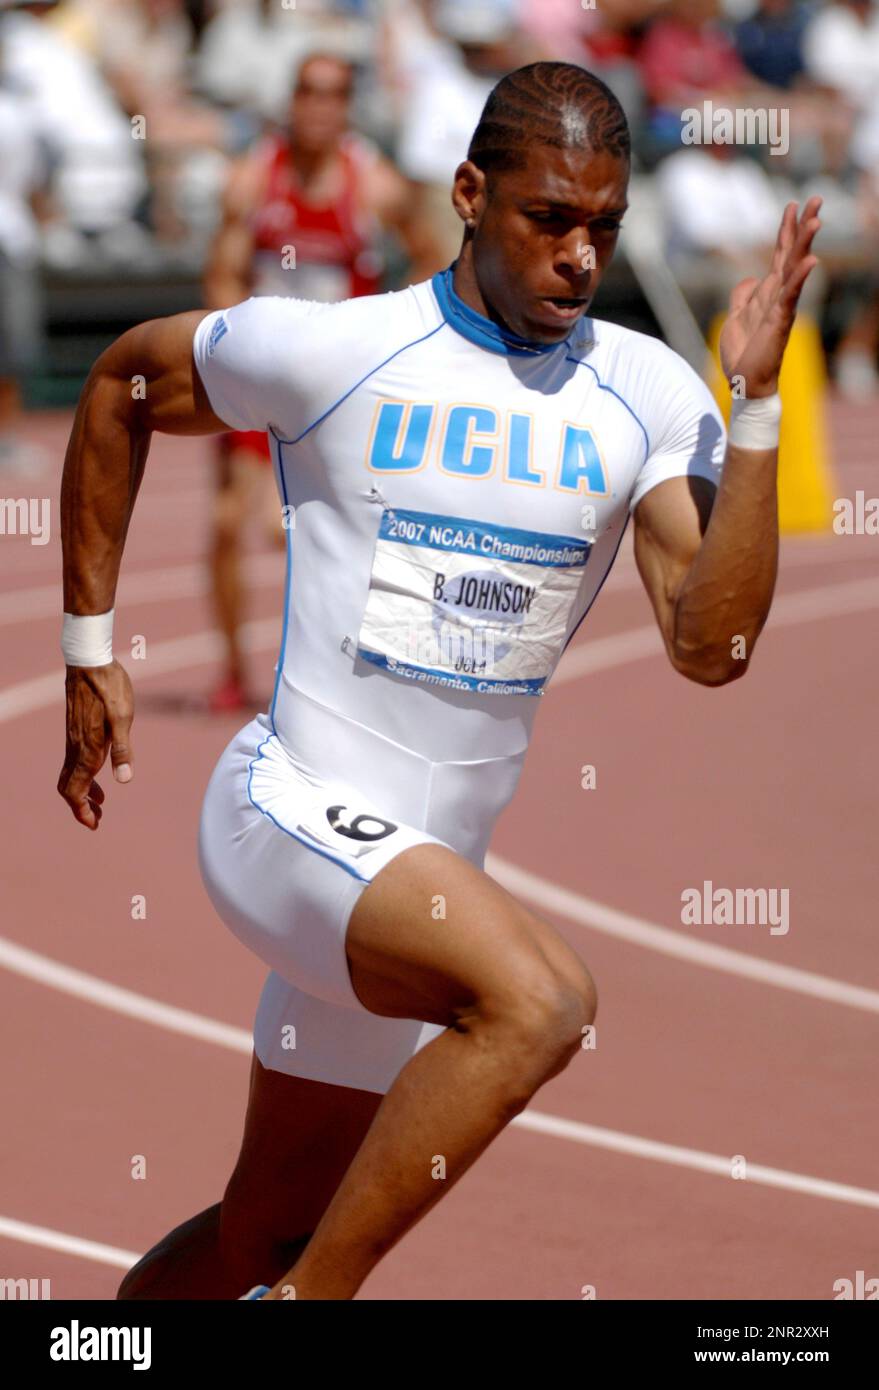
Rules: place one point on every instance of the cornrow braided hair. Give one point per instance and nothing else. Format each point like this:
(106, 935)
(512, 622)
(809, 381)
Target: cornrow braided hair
(557, 104)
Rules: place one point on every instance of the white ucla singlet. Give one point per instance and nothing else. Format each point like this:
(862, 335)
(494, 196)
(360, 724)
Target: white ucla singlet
(454, 500)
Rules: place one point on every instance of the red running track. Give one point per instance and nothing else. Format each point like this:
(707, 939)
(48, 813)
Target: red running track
(628, 1187)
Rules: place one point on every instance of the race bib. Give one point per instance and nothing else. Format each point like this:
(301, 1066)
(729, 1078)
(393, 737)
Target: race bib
(332, 817)
(340, 819)
(467, 605)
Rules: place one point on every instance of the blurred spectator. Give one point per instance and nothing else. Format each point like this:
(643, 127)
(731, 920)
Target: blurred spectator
(687, 55)
(721, 212)
(557, 27)
(770, 42)
(98, 175)
(686, 58)
(720, 203)
(477, 42)
(574, 32)
(23, 173)
(304, 215)
(841, 51)
(841, 48)
(250, 49)
(144, 51)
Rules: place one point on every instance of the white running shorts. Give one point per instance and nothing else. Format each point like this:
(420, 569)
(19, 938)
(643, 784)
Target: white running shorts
(284, 856)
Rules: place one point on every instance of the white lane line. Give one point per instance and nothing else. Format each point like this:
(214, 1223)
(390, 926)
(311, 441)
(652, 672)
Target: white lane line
(585, 912)
(695, 1158)
(790, 609)
(81, 985)
(69, 1245)
(126, 1002)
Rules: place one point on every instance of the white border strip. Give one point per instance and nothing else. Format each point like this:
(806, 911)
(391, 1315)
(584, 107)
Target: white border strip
(695, 1158)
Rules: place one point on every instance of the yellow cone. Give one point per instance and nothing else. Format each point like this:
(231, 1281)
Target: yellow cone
(805, 477)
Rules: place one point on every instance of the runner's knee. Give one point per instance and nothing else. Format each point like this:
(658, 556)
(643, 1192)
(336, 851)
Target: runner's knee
(541, 1011)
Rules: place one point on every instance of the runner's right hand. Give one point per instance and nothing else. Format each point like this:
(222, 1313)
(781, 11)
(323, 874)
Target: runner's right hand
(100, 708)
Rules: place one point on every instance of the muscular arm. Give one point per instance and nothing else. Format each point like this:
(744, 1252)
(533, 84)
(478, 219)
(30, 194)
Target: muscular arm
(108, 447)
(710, 570)
(709, 563)
(145, 381)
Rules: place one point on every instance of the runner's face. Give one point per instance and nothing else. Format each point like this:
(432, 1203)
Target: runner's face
(546, 233)
(319, 111)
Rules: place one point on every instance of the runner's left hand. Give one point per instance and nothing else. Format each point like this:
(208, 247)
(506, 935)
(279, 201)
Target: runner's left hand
(754, 337)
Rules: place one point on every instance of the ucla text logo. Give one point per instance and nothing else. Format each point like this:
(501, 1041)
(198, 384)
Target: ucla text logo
(471, 441)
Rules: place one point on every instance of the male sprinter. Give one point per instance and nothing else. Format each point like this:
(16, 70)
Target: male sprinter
(462, 457)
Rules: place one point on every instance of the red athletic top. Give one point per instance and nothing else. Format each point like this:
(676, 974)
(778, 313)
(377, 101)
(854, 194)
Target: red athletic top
(335, 245)
(306, 250)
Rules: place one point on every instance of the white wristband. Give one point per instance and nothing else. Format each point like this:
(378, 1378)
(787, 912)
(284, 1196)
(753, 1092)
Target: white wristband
(88, 641)
(755, 424)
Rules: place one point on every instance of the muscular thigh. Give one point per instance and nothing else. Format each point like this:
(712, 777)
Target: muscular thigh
(432, 933)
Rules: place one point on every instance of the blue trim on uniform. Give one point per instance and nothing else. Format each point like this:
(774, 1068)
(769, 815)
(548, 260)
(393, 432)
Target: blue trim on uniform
(288, 581)
(372, 371)
(478, 329)
(625, 404)
(302, 840)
